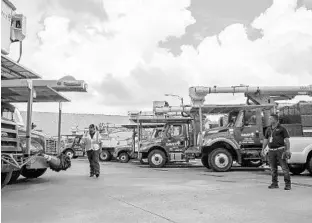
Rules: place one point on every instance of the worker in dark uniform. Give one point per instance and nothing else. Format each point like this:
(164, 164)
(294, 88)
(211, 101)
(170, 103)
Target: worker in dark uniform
(277, 138)
(92, 144)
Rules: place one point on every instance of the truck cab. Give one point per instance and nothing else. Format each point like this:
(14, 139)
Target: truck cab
(130, 151)
(176, 138)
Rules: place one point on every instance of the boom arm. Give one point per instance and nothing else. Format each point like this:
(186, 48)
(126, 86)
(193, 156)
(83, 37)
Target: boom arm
(258, 95)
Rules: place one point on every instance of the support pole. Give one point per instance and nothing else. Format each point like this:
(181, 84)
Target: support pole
(29, 115)
(138, 134)
(200, 125)
(59, 129)
(133, 140)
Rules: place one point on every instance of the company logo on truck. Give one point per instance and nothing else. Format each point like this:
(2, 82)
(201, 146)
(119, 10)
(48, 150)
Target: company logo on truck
(248, 134)
(172, 143)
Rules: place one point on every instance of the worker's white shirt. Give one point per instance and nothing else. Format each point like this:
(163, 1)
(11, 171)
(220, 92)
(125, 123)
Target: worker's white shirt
(92, 144)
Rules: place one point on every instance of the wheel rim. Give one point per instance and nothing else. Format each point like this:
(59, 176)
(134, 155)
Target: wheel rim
(123, 157)
(157, 159)
(70, 154)
(221, 160)
(103, 156)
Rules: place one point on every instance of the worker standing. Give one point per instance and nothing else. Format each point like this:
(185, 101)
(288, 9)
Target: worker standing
(92, 144)
(277, 138)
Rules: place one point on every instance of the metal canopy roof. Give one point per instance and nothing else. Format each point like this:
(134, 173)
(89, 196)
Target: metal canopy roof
(144, 125)
(12, 70)
(17, 91)
(162, 119)
(224, 109)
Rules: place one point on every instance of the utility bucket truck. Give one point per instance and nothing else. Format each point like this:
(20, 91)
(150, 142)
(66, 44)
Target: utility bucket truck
(170, 145)
(242, 140)
(130, 151)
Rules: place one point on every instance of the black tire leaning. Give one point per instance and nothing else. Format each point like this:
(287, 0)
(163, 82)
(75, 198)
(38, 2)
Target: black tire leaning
(156, 155)
(215, 161)
(32, 173)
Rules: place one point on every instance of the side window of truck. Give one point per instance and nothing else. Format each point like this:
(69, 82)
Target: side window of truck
(175, 130)
(250, 118)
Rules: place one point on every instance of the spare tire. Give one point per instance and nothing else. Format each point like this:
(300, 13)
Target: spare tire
(32, 173)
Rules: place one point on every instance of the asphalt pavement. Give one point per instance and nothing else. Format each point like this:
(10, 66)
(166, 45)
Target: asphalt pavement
(135, 193)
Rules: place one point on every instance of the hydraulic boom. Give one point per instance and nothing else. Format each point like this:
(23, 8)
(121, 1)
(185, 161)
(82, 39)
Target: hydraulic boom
(258, 95)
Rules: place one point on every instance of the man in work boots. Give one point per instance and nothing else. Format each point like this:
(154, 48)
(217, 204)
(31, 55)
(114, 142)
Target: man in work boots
(277, 138)
(92, 144)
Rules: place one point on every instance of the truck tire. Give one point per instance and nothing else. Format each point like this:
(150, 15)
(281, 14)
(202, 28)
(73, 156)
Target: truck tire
(105, 156)
(204, 160)
(309, 165)
(70, 153)
(124, 157)
(220, 160)
(32, 173)
(157, 158)
(5, 178)
(15, 176)
(297, 169)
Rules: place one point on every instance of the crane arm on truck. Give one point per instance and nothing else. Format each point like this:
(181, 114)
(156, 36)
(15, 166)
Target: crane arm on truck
(258, 95)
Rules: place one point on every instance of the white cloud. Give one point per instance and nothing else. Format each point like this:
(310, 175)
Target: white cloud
(126, 69)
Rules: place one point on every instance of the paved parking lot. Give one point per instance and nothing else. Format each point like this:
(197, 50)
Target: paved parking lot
(135, 193)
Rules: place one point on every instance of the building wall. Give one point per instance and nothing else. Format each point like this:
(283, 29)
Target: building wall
(48, 121)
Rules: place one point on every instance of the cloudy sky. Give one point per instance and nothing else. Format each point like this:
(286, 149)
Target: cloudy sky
(132, 52)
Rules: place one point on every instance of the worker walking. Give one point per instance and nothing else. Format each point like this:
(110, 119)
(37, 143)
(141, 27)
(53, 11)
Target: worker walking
(92, 144)
(277, 138)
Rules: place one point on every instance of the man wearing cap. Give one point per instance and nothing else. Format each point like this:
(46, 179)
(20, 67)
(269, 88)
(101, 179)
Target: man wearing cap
(277, 138)
(92, 144)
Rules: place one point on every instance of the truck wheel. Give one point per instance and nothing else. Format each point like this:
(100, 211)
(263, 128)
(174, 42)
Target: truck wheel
(220, 160)
(15, 176)
(32, 173)
(70, 153)
(204, 160)
(105, 156)
(157, 158)
(296, 169)
(5, 178)
(309, 165)
(124, 157)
